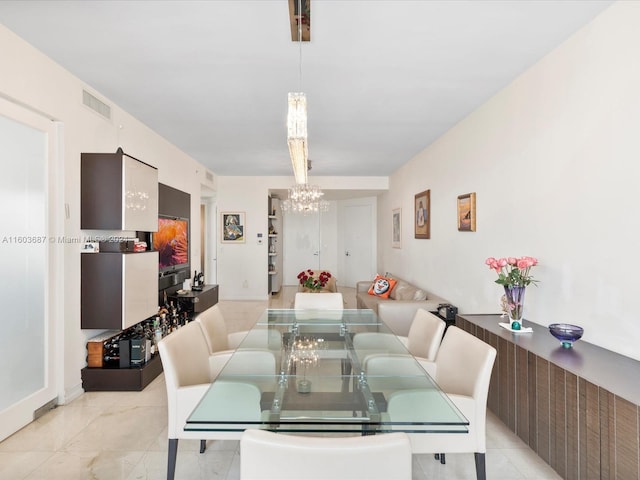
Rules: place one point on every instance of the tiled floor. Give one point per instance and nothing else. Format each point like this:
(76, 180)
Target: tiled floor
(122, 435)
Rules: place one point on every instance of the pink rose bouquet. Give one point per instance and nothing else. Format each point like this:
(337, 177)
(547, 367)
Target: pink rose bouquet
(512, 271)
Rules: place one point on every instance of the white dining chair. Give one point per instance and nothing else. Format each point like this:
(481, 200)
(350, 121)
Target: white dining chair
(318, 301)
(266, 455)
(185, 361)
(463, 368)
(220, 342)
(216, 332)
(425, 335)
(422, 342)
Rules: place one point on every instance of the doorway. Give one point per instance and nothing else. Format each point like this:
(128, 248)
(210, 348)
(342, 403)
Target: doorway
(341, 240)
(31, 256)
(208, 235)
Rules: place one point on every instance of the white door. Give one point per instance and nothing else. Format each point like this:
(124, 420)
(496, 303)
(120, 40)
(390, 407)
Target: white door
(301, 245)
(357, 242)
(30, 253)
(208, 238)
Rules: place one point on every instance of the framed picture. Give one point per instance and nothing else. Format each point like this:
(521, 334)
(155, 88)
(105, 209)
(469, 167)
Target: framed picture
(467, 212)
(232, 227)
(422, 218)
(396, 228)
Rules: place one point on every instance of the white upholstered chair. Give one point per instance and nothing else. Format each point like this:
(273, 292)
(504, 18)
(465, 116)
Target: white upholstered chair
(463, 368)
(216, 332)
(220, 342)
(185, 361)
(188, 375)
(423, 340)
(425, 335)
(266, 455)
(319, 301)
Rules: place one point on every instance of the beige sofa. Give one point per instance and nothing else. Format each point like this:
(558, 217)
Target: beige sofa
(398, 310)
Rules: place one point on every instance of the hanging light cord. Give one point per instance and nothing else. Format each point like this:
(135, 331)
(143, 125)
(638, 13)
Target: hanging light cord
(300, 40)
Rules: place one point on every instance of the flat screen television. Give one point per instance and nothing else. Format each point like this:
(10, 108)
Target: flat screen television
(172, 243)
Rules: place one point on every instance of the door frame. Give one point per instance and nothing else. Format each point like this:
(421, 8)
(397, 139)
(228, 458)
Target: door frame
(21, 413)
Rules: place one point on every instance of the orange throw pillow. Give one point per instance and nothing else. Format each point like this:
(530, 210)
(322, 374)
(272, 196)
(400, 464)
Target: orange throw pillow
(382, 286)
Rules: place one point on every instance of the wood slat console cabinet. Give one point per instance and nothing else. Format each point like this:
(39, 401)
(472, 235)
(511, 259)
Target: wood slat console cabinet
(578, 408)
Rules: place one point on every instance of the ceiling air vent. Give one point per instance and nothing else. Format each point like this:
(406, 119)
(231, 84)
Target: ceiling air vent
(96, 105)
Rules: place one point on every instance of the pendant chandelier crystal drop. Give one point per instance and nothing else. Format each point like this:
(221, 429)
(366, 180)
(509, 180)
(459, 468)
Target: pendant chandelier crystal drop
(303, 198)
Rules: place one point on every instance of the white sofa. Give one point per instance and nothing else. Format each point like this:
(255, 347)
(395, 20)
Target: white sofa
(398, 310)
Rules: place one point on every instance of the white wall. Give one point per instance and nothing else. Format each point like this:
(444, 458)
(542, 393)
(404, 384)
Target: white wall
(554, 160)
(31, 79)
(242, 268)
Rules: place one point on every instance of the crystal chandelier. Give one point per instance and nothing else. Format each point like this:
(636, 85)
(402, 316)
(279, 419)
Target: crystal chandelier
(303, 198)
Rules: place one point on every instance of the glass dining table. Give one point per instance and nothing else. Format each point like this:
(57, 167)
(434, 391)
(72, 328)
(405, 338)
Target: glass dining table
(324, 371)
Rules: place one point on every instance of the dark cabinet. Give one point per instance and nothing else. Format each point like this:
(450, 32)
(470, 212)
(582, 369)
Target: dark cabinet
(118, 192)
(118, 290)
(577, 408)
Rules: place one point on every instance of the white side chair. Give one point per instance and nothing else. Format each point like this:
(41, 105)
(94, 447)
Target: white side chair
(318, 301)
(185, 361)
(221, 344)
(266, 455)
(423, 340)
(425, 335)
(215, 330)
(462, 370)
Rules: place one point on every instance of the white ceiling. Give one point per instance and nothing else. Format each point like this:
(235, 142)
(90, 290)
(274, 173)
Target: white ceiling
(383, 79)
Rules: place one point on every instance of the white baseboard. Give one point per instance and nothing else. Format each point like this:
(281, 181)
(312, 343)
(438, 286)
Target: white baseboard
(70, 394)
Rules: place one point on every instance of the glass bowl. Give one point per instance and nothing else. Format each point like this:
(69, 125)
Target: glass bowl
(566, 333)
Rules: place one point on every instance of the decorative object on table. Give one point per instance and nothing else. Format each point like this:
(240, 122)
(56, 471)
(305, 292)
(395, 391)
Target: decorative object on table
(312, 283)
(305, 354)
(514, 274)
(197, 283)
(566, 333)
(512, 327)
(467, 212)
(396, 228)
(422, 217)
(232, 227)
(382, 286)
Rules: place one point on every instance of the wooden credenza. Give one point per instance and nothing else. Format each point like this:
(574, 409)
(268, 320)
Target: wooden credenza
(578, 408)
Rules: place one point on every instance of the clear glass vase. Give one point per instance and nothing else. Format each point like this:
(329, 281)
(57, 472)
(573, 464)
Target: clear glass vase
(515, 303)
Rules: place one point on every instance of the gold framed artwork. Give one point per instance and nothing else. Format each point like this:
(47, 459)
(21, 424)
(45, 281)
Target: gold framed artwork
(467, 212)
(232, 227)
(396, 228)
(422, 216)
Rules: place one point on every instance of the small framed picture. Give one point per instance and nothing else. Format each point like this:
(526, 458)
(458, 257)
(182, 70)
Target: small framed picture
(467, 212)
(232, 227)
(396, 228)
(422, 218)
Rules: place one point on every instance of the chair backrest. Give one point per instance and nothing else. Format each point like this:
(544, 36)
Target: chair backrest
(464, 364)
(266, 455)
(185, 357)
(463, 372)
(214, 328)
(185, 361)
(319, 301)
(425, 334)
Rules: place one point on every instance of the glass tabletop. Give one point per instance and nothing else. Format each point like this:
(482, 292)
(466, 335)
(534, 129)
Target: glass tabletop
(324, 371)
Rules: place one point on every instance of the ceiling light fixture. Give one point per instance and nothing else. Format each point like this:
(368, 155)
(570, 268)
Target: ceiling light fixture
(302, 198)
(297, 135)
